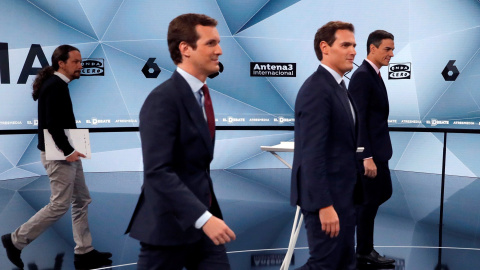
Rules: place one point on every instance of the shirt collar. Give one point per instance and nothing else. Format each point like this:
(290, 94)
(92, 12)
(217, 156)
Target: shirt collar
(195, 84)
(335, 75)
(63, 77)
(377, 70)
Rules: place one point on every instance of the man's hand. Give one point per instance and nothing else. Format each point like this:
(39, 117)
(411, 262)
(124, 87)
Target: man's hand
(329, 220)
(218, 231)
(370, 168)
(75, 156)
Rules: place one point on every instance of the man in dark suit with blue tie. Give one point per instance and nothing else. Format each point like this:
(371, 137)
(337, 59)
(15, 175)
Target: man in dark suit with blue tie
(324, 172)
(177, 219)
(370, 96)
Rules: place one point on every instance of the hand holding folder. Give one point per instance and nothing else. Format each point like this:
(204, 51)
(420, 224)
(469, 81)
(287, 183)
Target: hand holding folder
(79, 139)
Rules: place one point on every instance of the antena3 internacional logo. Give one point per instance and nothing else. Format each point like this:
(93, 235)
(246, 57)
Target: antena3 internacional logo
(93, 67)
(399, 71)
(270, 69)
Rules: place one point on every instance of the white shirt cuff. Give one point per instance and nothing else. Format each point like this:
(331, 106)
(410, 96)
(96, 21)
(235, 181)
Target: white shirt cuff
(202, 220)
(70, 153)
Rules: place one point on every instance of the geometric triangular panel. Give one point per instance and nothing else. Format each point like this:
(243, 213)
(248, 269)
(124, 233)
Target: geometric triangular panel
(14, 146)
(270, 8)
(242, 149)
(423, 154)
(100, 14)
(237, 13)
(15, 173)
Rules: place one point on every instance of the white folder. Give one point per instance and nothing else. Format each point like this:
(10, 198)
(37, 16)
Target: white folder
(79, 139)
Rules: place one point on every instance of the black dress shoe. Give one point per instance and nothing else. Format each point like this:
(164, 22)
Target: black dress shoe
(361, 266)
(92, 259)
(374, 258)
(13, 253)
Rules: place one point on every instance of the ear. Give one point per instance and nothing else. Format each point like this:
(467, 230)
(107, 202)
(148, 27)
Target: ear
(61, 64)
(373, 48)
(324, 47)
(184, 49)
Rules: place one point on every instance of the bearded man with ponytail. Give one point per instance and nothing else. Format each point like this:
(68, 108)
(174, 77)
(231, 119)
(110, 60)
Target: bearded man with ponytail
(67, 181)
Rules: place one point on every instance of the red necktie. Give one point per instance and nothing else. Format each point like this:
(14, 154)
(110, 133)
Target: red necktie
(379, 75)
(209, 111)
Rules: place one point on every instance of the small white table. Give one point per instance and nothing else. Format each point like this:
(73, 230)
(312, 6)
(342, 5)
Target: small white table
(297, 223)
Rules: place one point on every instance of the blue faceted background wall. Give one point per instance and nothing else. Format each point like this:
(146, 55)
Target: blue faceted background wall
(252, 186)
(126, 33)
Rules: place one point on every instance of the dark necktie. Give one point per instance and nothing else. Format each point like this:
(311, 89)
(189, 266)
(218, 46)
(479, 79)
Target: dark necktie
(380, 75)
(209, 111)
(342, 84)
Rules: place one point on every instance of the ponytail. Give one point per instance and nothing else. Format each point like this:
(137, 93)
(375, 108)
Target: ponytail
(42, 76)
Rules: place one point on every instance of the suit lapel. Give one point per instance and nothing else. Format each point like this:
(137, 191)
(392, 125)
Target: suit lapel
(383, 88)
(377, 79)
(194, 110)
(340, 94)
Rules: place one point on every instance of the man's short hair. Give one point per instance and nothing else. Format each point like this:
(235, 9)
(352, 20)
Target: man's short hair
(327, 33)
(182, 28)
(376, 38)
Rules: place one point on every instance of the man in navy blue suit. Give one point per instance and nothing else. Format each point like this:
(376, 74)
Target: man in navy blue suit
(177, 218)
(370, 95)
(324, 174)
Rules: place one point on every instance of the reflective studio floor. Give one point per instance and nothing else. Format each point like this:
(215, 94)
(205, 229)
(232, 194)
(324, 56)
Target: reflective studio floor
(408, 235)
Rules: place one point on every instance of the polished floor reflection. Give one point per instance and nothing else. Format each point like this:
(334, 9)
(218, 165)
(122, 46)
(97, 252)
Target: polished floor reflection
(255, 205)
(245, 261)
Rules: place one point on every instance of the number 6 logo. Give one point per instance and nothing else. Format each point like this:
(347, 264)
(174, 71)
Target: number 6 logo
(450, 72)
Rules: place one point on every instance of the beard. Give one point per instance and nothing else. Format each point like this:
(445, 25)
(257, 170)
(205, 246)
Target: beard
(76, 75)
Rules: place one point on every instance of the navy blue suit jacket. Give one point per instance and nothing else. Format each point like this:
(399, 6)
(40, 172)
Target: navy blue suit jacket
(324, 163)
(177, 151)
(370, 96)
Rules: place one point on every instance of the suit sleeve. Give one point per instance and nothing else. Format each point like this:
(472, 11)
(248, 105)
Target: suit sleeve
(54, 102)
(315, 117)
(159, 127)
(360, 90)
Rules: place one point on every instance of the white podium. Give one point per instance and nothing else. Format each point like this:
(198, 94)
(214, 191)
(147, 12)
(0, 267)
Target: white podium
(297, 223)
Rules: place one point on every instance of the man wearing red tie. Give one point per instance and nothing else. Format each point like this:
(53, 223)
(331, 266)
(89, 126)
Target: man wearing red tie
(177, 219)
(370, 95)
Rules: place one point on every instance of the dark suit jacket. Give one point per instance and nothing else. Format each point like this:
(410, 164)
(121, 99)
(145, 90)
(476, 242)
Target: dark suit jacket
(177, 151)
(370, 96)
(324, 163)
(55, 113)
